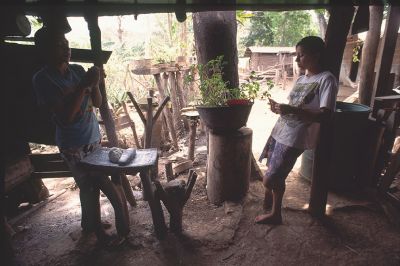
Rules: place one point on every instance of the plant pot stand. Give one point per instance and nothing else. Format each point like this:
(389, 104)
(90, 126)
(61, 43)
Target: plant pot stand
(229, 165)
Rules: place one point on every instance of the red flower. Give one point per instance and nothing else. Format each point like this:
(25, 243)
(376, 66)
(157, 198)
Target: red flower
(232, 102)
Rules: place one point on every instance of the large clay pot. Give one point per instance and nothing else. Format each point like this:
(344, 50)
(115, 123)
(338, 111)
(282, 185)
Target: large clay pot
(225, 118)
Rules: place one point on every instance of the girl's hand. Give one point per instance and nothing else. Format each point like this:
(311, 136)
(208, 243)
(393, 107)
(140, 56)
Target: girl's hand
(275, 107)
(281, 109)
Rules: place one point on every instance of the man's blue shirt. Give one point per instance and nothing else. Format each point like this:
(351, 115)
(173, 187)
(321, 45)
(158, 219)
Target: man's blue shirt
(51, 88)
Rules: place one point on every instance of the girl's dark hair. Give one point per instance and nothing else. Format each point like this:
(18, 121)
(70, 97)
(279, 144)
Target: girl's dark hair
(314, 45)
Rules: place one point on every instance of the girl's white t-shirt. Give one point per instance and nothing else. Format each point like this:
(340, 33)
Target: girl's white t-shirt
(309, 92)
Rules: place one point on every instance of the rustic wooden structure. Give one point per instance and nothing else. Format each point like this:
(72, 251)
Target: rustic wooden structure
(17, 137)
(229, 165)
(174, 195)
(144, 162)
(151, 119)
(262, 58)
(169, 76)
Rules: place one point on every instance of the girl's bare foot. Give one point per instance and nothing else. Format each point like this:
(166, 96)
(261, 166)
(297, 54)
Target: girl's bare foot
(267, 204)
(268, 218)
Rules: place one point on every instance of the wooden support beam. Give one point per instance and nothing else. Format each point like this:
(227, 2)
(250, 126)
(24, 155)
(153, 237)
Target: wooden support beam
(386, 52)
(136, 105)
(181, 98)
(149, 122)
(338, 27)
(336, 36)
(95, 42)
(192, 138)
(106, 116)
(161, 107)
(368, 57)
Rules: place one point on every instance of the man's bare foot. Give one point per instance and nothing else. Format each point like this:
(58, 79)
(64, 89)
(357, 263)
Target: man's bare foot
(268, 218)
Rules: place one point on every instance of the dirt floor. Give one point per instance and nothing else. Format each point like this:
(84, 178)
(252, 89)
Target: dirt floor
(356, 231)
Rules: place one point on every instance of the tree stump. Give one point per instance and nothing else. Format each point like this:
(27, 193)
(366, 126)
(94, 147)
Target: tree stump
(229, 165)
(174, 195)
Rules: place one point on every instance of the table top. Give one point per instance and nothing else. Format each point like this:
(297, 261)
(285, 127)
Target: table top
(98, 160)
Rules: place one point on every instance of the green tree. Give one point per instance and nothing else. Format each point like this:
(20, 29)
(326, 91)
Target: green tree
(171, 38)
(279, 28)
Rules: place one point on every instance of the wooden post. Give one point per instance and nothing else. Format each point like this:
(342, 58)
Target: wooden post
(192, 138)
(167, 113)
(174, 195)
(229, 165)
(368, 56)
(386, 52)
(176, 109)
(215, 33)
(95, 42)
(155, 205)
(149, 121)
(336, 35)
(181, 98)
(169, 173)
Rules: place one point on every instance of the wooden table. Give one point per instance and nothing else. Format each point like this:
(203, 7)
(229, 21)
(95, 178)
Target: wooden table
(145, 163)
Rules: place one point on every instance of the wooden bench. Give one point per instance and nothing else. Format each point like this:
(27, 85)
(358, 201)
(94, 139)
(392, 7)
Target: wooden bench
(49, 165)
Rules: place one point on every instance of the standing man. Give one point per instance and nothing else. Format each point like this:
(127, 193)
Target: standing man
(71, 94)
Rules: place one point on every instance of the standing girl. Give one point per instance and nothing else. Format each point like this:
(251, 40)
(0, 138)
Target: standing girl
(311, 101)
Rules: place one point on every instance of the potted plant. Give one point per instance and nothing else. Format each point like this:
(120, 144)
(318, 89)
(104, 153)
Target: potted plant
(220, 107)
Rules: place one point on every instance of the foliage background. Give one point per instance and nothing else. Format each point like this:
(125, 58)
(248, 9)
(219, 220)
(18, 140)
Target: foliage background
(162, 38)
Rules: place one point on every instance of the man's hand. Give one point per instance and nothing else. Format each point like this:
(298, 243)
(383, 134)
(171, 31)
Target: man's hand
(91, 78)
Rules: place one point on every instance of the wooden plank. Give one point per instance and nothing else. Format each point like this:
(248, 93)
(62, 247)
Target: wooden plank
(77, 55)
(132, 125)
(45, 157)
(50, 166)
(52, 174)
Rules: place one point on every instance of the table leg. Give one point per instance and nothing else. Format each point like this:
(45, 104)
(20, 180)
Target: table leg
(155, 205)
(116, 179)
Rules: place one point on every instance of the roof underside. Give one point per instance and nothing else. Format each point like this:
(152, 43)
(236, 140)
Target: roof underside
(125, 7)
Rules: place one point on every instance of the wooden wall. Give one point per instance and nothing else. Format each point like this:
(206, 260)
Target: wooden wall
(262, 61)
